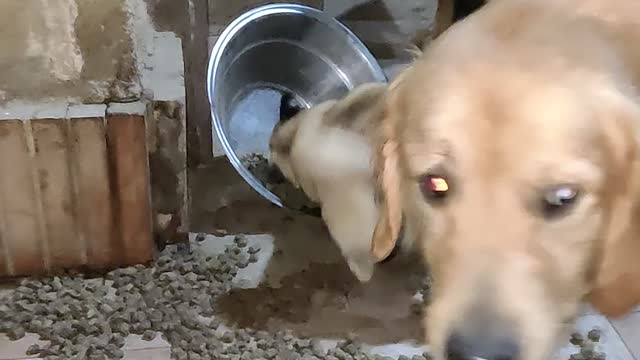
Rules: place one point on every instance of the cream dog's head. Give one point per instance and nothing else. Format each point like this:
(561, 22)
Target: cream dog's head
(284, 137)
(326, 151)
(514, 142)
(335, 139)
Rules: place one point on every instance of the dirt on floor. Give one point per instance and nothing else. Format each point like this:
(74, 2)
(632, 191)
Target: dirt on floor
(308, 287)
(325, 300)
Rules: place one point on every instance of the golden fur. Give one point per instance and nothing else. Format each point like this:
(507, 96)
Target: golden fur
(520, 95)
(326, 151)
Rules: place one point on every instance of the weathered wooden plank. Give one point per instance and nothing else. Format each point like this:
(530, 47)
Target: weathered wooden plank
(194, 48)
(21, 240)
(130, 176)
(52, 162)
(90, 166)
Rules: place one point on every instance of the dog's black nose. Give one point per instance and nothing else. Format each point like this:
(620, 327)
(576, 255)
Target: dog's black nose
(485, 346)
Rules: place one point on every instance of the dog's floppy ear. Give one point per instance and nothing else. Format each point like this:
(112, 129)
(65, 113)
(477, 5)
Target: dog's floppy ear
(387, 174)
(616, 284)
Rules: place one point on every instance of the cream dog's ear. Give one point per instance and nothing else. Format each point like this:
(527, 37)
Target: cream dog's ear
(616, 284)
(387, 174)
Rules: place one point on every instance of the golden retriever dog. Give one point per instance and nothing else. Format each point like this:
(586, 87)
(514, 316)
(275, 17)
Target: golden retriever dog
(327, 152)
(512, 147)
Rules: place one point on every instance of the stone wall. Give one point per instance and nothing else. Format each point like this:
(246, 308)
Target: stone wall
(222, 12)
(387, 27)
(76, 49)
(89, 52)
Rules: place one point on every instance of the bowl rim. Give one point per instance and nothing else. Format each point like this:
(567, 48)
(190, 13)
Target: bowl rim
(213, 68)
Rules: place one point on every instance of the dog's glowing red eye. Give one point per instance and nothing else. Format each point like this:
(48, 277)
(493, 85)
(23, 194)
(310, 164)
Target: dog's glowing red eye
(434, 186)
(438, 184)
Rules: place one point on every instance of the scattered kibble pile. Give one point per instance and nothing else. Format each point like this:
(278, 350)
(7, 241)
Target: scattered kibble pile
(273, 180)
(587, 346)
(90, 318)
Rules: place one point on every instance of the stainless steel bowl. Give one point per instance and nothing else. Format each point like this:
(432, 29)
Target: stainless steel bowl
(273, 49)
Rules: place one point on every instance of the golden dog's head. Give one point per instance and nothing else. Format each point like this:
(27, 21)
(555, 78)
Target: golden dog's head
(517, 154)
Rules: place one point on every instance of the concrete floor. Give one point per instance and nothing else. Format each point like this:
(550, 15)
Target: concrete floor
(306, 265)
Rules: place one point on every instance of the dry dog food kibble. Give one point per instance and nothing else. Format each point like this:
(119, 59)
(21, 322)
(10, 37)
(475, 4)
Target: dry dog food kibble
(253, 250)
(599, 356)
(148, 335)
(273, 180)
(240, 240)
(90, 318)
(594, 335)
(588, 346)
(576, 339)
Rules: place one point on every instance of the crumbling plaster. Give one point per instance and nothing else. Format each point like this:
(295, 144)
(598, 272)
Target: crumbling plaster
(66, 49)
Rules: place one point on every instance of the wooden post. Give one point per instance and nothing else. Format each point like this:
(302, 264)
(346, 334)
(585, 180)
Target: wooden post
(196, 55)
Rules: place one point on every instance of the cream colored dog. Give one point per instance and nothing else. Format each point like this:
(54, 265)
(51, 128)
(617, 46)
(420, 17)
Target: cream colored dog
(513, 147)
(326, 151)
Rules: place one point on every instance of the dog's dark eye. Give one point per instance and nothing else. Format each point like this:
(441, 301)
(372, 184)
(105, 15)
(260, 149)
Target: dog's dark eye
(434, 187)
(558, 200)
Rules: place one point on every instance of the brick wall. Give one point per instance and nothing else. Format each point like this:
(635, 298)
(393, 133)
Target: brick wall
(387, 27)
